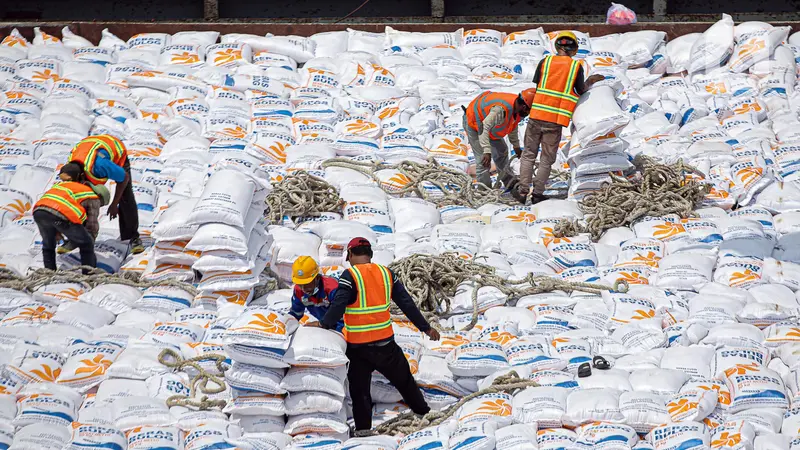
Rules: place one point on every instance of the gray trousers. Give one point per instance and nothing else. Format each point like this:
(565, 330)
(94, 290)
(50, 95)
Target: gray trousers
(548, 135)
(499, 156)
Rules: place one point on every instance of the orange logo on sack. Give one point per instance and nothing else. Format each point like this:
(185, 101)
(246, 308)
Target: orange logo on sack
(741, 369)
(605, 62)
(522, 216)
(650, 259)
(749, 173)
(235, 132)
(388, 112)
(497, 407)
(47, 374)
(18, 207)
(227, 56)
(95, 366)
(668, 230)
(185, 58)
(727, 440)
(681, 406)
(45, 75)
(739, 278)
(271, 323)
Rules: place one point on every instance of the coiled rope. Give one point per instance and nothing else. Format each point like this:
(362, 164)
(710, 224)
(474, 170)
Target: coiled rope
(661, 189)
(94, 277)
(457, 188)
(432, 282)
(409, 422)
(199, 382)
(302, 194)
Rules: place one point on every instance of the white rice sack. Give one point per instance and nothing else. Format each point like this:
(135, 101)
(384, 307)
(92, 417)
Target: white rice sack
(154, 437)
(88, 436)
(317, 423)
(684, 271)
(434, 374)
(591, 405)
(713, 47)
(87, 363)
(694, 361)
(691, 405)
(544, 406)
(599, 435)
(46, 405)
(312, 402)
(115, 298)
(316, 347)
(251, 403)
(638, 47)
(478, 436)
(40, 438)
(756, 388)
(643, 411)
(317, 379)
(684, 435)
(226, 199)
(477, 359)
(516, 437)
(133, 412)
(756, 46)
(138, 361)
(254, 378)
(597, 114)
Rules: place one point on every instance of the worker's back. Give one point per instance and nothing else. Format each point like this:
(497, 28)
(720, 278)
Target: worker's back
(555, 97)
(479, 108)
(368, 319)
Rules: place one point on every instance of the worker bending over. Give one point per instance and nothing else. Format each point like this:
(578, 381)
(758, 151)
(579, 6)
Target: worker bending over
(71, 209)
(560, 83)
(312, 291)
(104, 157)
(488, 119)
(365, 291)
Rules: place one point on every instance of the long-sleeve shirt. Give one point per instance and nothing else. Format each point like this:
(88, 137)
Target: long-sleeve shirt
(105, 168)
(347, 294)
(580, 85)
(496, 116)
(316, 304)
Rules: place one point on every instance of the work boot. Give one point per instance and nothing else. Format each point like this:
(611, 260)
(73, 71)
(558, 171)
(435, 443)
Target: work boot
(518, 196)
(536, 198)
(136, 246)
(66, 248)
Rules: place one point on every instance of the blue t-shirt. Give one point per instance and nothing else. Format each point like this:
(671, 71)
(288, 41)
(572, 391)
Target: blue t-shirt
(105, 168)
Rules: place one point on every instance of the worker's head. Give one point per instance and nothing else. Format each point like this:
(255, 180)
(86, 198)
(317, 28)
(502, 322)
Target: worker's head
(304, 274)
(359, 251)
(566, 43)
(522, 105)
(102, 192)
(70, 172)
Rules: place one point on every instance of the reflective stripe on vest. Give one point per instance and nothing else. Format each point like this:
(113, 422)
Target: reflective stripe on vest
(555, 97)
(66, 198)
(368, 319)
(85, 153)
(479, 108)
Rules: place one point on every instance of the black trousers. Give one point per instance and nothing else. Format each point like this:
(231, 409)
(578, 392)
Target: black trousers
(389, 360)
(128, 211)
(50, 225)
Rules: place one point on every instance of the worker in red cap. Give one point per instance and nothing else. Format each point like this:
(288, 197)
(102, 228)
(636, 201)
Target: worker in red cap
(488, 119)
(363, 297)
(559, 84)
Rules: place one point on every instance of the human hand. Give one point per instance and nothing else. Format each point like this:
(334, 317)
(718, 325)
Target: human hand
(518, 152)
(433, 334)
(595, 78)
(486, 160)
(113, 211)
(314, 324)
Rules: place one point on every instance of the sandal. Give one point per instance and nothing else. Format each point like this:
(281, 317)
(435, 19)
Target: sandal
(601, 363)
(584, 370)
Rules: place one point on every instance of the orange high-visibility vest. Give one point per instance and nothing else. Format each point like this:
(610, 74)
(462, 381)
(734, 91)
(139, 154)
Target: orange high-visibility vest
(479, 108)
(85, 153)
(368, 318)
(555, 97)
(66, 198)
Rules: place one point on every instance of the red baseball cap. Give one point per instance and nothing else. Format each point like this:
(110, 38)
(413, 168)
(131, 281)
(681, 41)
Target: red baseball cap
(358, 242)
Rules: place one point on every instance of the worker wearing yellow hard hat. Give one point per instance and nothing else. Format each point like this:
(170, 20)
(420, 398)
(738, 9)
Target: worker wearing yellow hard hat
(313, 292)
(488, 119)
(560, 82)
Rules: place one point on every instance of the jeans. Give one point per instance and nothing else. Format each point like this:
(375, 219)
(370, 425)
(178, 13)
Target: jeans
(499, 156)
(390, 361)
(50, 225)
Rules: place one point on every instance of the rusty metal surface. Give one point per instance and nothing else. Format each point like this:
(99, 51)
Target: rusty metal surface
(93, 30)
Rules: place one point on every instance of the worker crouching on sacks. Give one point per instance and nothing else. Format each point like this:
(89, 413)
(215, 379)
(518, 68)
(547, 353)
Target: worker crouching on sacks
(488, 119)
(71, 209)
(104, 157)
(312, 291)
(363, 297)
(560, 83)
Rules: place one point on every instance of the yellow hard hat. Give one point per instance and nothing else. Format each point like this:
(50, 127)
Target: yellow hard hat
(562, 35)
(304, 270)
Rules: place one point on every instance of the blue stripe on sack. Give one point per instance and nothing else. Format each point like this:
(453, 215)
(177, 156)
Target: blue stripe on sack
(144, 206)
(469, 441)
(567, 384)
(614, 438)
(108, 445)
(711, 238)
(51, 414)
(430, 446)
(690, 444)
(686, 116)
(321, 444)
(770, 393)
(166, 297)
(381, 229)
(370, 144)
(477, 358)
(534, 360)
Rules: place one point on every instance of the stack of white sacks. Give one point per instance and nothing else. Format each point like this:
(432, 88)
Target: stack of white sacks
(703, 347)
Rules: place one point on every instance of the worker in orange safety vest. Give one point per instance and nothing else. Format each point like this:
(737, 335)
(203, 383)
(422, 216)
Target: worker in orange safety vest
(488, 119)
(560, 84)
(363, 298)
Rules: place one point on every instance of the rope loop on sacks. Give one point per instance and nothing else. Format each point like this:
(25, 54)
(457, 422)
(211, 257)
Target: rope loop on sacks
(199, 382)
(432, 282)
(457, 188)
(302, 194)
(660, 190)
(94, 277)
(408, 422)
